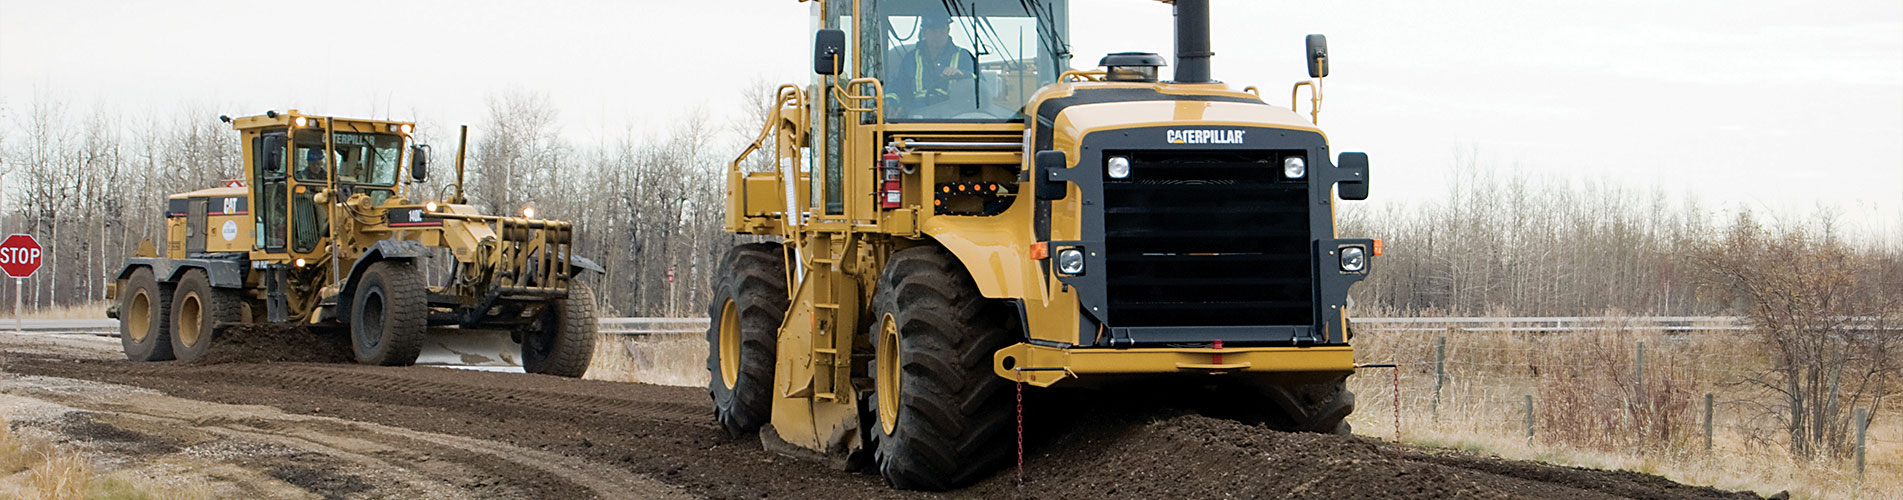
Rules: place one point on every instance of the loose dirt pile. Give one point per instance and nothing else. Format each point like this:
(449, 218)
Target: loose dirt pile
(1166, 454)
(254, 343)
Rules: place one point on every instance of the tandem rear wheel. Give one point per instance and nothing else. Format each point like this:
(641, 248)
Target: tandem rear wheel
(197, 309)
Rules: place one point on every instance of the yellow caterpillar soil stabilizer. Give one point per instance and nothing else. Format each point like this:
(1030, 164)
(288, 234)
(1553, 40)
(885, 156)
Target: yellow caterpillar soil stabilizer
(958, 210)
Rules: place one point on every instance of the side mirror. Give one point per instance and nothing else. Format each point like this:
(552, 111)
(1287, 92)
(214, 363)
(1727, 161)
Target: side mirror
(1047, 163)
(1317, 56)
(1354, 165)
(419, 162)
(829, 47)
(273, 156)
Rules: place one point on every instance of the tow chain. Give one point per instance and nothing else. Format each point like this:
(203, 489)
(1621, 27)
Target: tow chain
(1020, 386)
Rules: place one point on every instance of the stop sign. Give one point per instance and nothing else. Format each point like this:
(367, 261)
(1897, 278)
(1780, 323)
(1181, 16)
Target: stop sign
(20, 255)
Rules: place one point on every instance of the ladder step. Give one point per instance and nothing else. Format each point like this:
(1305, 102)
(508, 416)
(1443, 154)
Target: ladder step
(825, 306)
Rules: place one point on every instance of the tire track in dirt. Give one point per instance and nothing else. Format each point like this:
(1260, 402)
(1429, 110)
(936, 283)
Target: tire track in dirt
(327, 456)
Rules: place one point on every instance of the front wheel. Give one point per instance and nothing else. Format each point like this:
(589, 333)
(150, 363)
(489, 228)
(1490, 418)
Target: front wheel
(564, 340)
(389, 314)
(941, 417)
(742, 337)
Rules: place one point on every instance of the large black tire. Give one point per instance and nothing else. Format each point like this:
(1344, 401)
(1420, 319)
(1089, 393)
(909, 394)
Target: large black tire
(145, 307)
(563, 342)
(389, 314)
(749, 303)
(1317, 407)
(197, 311)
(951, 424)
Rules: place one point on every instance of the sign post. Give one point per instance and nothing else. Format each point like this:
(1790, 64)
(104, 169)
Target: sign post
(20, 257)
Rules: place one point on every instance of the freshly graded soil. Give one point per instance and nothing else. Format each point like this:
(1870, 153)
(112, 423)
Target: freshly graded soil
(259, 343)
(668, 434)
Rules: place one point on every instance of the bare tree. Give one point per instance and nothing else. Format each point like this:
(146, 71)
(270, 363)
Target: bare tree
(1820, 309)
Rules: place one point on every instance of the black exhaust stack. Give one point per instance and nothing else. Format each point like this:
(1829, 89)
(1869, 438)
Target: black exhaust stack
(1192, 41)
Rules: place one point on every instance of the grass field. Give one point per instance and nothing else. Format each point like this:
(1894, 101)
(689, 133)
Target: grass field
(1591, 409)
(93, 310)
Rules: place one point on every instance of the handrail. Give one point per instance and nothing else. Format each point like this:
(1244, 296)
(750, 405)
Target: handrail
(878, 96)
(1315, 104)
(1083, 75)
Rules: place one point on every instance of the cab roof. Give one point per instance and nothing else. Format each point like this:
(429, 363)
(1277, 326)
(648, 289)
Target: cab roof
(291, 119)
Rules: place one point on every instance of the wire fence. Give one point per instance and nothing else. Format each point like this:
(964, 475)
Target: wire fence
(1683, 387)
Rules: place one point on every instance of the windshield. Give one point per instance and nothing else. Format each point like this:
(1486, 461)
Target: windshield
(361, 158)
(964, 59)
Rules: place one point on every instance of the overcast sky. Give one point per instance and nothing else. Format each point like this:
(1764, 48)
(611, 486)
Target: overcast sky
(1774, 105)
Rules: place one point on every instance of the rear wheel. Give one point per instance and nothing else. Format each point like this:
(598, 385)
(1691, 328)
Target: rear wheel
(749, 302)
(197, 310)
(564, 340)
(144, 306)
(389, 314)
(942, 417)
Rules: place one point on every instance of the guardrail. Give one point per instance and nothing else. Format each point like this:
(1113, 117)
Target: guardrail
(650, 326)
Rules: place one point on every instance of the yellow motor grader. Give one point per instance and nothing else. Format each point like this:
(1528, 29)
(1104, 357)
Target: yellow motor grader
(325, 230)
(958, 210)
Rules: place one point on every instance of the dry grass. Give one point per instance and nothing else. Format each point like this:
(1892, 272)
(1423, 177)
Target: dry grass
(678, 359)
(90, 310)
(34, 469)
(1589, 411)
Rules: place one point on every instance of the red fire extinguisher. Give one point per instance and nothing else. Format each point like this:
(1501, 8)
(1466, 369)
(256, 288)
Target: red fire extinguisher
(893, 188)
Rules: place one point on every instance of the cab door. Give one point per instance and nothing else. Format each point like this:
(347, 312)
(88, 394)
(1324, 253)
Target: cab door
(269, 189)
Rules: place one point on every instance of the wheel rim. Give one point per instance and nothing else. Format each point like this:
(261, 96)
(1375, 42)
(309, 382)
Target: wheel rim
(190, 315)
(729, 344)
(139, 316)
(370, 317)
(888, 382)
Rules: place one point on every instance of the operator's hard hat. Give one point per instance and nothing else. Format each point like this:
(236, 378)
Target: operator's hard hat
(934, 19)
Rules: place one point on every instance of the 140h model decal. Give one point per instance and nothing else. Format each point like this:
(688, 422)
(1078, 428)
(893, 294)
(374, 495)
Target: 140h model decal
(413, 217)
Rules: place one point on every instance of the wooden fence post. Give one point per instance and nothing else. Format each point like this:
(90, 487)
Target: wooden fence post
(1638, 373)
(1440, 372)
(1707, 423)
(1529, 417)
(1862, 422)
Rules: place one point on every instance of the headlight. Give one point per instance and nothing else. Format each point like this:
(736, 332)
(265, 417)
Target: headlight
(1070, 261)
(429, 207)
(1354, 259)
(407, 128)
(1294, 167)
(528, 212)
(299, 122)
(299, 262)
(1119, 167)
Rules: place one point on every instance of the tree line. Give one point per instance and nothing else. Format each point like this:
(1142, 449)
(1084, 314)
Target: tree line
(91, 186)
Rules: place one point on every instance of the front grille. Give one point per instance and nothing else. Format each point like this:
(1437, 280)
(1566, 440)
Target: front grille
(1207, 239)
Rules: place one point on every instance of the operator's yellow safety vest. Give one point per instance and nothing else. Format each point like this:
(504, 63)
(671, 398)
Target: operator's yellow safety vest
(918, 72)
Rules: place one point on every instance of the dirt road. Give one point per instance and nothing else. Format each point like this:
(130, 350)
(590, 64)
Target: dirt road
(284, 430)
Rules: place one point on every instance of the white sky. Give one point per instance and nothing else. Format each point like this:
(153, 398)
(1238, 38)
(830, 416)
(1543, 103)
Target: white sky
(1775, 105)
